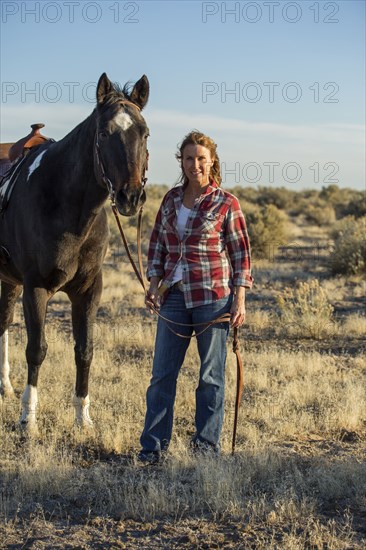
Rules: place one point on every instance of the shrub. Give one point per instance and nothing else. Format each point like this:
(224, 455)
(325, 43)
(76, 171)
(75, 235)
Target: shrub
(345, 201)
(280, 197)
(349, 253)
(267, 230)
(305, 310)
(248, 194)
(321, 215)
(302, 201)
(356, 207)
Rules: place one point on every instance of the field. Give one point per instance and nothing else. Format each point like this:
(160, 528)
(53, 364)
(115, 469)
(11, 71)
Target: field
(298, 478)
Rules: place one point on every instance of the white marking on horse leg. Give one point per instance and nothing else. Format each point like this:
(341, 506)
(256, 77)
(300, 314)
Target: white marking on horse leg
(123, 120)
(28, 418)
(82, 417)
(35, 164)
(5, 385)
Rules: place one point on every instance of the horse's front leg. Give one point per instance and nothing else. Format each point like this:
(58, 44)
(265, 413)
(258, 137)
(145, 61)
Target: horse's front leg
(6, 389)
(84, 310)
(35, 302)
(9, 295)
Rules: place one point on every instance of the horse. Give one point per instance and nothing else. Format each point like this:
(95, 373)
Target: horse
(54, 232)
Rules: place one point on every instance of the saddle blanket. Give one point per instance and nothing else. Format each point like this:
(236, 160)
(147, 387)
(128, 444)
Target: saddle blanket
(8, 182)
(9, 179)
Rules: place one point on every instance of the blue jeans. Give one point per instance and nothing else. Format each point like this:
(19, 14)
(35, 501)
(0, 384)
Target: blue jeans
(170, 351)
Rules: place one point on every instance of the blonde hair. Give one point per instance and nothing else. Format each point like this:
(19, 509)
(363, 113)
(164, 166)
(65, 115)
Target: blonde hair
(198, 138)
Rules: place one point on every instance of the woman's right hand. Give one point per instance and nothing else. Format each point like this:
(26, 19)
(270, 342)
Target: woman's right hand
(152, 299)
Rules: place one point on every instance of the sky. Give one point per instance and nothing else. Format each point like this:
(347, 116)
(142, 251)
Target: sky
(278, 85)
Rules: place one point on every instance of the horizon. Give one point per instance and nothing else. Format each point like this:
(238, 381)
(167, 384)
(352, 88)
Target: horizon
(279, 86)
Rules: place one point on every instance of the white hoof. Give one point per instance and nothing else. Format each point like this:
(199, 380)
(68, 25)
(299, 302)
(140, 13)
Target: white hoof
(29, 428)
(82, 418)
(6, 390)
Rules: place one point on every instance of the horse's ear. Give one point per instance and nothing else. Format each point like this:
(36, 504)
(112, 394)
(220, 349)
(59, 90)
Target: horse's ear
(140, 92)
(104, 87)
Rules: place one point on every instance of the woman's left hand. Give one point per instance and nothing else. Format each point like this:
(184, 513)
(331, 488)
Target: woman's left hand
(237, 310)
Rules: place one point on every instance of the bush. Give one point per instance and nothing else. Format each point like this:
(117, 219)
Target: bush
(280, 197)
(267, 230)
(356, 207)
(302, 202)
(321, 215)
(305, 310)
(349, 254)
(345, 201)
(248, 194)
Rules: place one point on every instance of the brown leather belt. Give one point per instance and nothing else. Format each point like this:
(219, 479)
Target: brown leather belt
(178, 286)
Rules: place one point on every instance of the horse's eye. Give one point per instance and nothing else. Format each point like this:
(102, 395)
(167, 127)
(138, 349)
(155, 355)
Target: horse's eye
(103, 134)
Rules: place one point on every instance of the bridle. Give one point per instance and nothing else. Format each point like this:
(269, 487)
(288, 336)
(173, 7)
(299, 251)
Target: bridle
(99, 162)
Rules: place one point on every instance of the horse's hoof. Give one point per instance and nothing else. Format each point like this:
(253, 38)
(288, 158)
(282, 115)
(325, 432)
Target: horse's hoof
(7, 392)
(29, 428)
(86, 427)
(82, 418)
(88, 424)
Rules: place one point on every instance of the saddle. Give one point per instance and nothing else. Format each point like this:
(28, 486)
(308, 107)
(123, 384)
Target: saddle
(23, 145)
(18, 153)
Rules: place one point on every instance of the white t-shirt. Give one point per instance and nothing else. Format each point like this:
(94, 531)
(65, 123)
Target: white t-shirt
(182, 219)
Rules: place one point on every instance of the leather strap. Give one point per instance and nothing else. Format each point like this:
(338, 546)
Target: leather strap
(239, 386)
(140, 274)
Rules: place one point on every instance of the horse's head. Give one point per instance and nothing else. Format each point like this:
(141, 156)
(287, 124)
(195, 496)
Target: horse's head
(121, 142)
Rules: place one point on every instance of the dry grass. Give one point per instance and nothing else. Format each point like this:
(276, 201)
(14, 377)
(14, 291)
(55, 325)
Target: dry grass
(298, 479)
(305, 310)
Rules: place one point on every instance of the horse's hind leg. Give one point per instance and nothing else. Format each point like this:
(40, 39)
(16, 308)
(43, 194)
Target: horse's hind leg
(84, 310)
(9, 295)
(35, 302)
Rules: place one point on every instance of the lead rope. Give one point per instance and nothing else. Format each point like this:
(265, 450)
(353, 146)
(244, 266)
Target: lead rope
(239, 386)
(132, 261)
(223, 318)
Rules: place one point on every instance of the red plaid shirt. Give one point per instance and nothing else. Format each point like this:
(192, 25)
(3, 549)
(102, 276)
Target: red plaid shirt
(214, 251)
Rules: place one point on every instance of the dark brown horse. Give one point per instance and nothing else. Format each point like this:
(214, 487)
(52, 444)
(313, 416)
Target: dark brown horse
(54, 231)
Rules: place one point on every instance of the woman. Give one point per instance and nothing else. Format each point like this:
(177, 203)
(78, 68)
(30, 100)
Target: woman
(198, 268)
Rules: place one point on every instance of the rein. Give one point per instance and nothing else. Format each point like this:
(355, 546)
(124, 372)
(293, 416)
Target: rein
(223, 318)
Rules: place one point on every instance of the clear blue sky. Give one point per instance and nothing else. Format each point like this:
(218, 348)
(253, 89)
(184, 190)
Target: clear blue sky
(295, 115)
